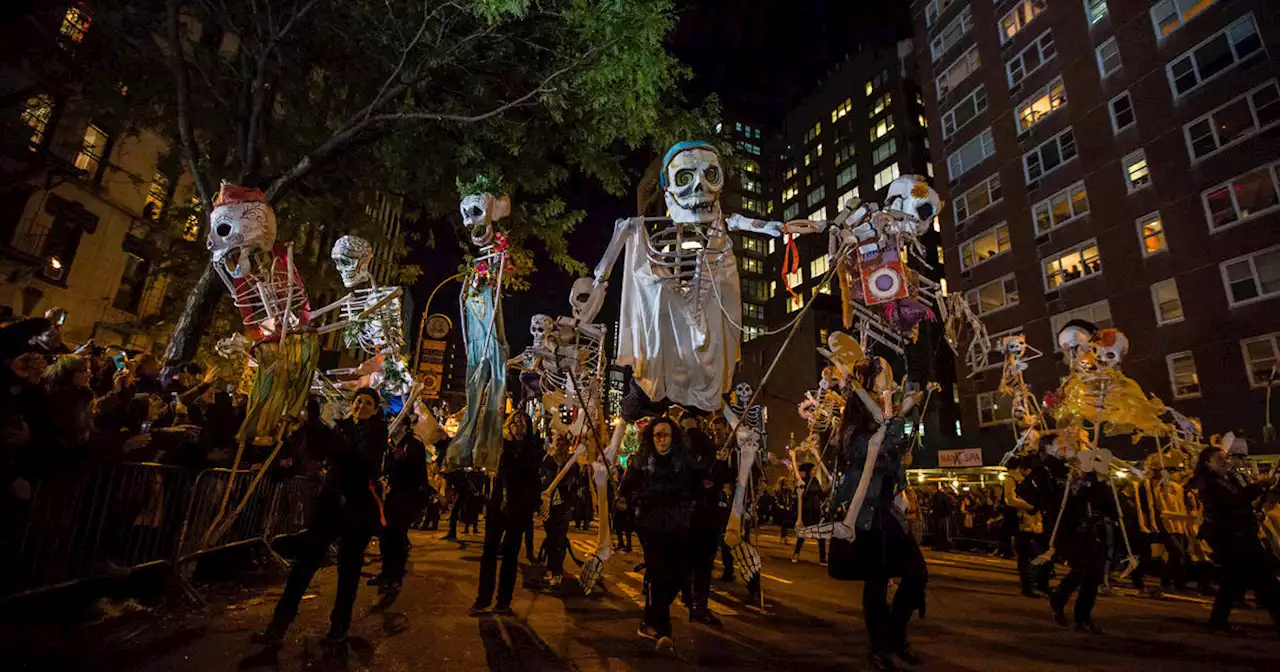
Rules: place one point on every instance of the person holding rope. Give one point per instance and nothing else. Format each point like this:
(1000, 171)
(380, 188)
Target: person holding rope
(347, 509)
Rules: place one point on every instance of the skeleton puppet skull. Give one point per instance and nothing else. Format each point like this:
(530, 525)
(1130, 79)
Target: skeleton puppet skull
(540, 327)
(692, 180)
(1110, 347)
(742, 394)
(241, 219)
(586, 298)
(912, 196)
(352, 255)
(479, 212)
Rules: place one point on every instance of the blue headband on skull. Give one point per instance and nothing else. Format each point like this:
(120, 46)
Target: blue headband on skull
(682, 147)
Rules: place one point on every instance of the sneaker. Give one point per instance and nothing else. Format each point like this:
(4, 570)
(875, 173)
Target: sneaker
(822, 563)
(648, 632)
(269, 636)
(479, 608)
(1089, 628)
(555, 581)
(881, 661)
(795, 558)
(906, 655)
(504, 610)
(664, 644)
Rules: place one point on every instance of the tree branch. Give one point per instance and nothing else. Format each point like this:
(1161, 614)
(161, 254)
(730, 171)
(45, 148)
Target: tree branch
(190, 150)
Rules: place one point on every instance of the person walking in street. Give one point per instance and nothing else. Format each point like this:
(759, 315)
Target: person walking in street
(346, 510)
(513, 499)
(811, 497)
(559, 508)
(707, 523)
(1082, 543)
(659, 487)
(1027, 533)
(407, 492)
(1230, 528)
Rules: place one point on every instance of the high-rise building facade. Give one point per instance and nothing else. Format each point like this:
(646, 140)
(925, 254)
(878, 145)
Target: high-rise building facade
(860, 128)
(1116, 162)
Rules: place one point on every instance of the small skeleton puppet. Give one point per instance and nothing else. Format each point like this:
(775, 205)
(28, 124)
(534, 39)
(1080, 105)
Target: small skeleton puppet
(749, 436)
(1025, 408)
(881, 471)
(373, 314)
(540, 356)
(870, 247)
(478, 442)
(956, 316)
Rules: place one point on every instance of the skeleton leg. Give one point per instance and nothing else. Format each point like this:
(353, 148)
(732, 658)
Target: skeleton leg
(1133, 559)
(846, 529)
(1048, 554)
(589, 578)
(746, 459)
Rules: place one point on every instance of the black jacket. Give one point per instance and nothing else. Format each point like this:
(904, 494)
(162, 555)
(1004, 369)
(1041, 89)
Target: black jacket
(353, 455)
(517, 489)
(1229, 520)
(660, 491)
(562, 497)
(711, 476)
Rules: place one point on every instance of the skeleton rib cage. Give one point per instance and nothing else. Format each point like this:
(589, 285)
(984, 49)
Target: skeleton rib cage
(380, 332)
(680, 254)
(579, 372)
(269, 298)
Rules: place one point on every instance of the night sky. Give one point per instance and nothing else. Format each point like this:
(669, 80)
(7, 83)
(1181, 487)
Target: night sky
(761, 57)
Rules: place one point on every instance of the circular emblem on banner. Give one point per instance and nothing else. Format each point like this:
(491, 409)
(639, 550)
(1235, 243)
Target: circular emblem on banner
(438, 325)
(430, 384)
(884, 283)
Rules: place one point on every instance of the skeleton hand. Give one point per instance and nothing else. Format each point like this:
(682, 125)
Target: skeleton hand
(842, 531)
(801, 227)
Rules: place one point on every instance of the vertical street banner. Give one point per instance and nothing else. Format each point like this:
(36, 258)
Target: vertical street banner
(431, 366)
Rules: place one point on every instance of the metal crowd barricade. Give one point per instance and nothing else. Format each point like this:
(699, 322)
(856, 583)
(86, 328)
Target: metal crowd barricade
(111, 520)
(91, 524)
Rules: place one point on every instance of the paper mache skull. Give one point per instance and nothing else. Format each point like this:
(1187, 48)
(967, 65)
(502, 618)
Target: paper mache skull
(1110, 346)
(241, 220)
(742, 394)
(1075, 340)
(912, 196)
(692, 180)
(541, 327)
(479, 212)
(352, 256)
(586, 298)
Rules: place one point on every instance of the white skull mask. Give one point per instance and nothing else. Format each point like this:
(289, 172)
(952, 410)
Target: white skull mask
(540, 327)
(586, 298)
(234, 226)
(1110, 347)
(479, 212)
(692, 186)
(352, 256)
(912, 196)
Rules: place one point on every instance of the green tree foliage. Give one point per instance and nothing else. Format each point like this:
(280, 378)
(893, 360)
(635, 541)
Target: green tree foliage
(323, 103)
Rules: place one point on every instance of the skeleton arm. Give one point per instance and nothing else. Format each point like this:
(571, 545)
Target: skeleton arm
(333, 306)
(847, 529)
(776, 229)
(619, 242)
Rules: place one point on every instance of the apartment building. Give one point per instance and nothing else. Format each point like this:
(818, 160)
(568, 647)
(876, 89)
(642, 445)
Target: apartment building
(1117, 162)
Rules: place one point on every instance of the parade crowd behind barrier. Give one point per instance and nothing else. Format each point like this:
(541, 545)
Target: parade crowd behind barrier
(109, 465)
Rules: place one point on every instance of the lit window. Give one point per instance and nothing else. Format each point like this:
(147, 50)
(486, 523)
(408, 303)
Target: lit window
(790, 193)
(773, 288)
(157, 197)
(753, 311)
(1098, 314)
(881, 128)
(752, 265)
(818, 215)
(984, 246)
(751, 332)
(1136, 173)
(841, 110)
(992, 296)
(819, 267)
(1108, 54)
(1253, 277)
(815, 197)
(1182, 375)
(751, 167)
(994, 408)
(813, 133)
(1017, 18)
(1164, 296)
(789, 173)
(191, 230)
(1041, 104)
(1030, 59)
(948, 37)
(1068, 266)
(978, 198)
(847, 198)
(964, 111)
(884, 177)
(846, 176)
(1241, 198)
(1060, 208)
(884, 151)
(1262, 359)
(36, 116)
(971, 154)
(791, 211)
(1122, 115)
(1049, 156)
(754, 290)
(1214, 56)
(1095, 10)
(1168, 16)
(882, 103)
(753, 245)
(75, 23)
(845, 154)
(959, 71)
(91, 147)
(133, 282)
(795, 303)
(934, 8)
(1151, 233)
(1241, 118)
(941, 260)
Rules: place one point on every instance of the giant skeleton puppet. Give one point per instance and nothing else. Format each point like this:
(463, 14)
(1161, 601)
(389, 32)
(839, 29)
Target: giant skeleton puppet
(267, 290)
(567, 355)
(682, 302)
(375, 324)
(478, 442)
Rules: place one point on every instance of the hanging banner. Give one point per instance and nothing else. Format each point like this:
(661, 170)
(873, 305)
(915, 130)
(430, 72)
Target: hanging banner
(968, 457)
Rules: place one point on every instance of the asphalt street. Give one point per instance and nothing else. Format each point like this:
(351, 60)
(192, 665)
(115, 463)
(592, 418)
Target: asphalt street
(975, 620)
